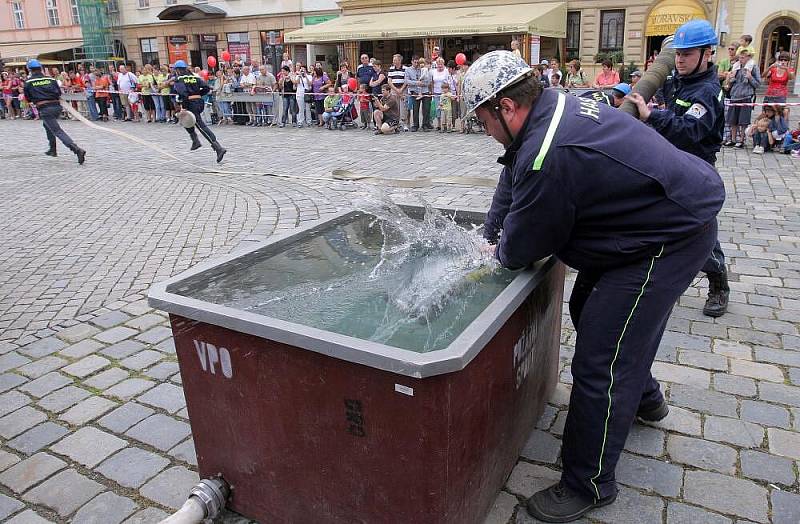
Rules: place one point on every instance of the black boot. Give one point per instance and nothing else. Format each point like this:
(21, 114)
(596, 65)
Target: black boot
(195, 141)
(81, 154)
(51, 151)
(219, 149)
(718, 292)
(558, 503)
(655, 414)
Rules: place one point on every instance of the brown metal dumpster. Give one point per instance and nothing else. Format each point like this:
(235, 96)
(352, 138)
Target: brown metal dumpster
(316, 426)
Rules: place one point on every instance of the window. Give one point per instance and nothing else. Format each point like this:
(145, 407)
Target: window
(170, 2)
(144, 4)
(573, 34)
(113, 6)
(76, 14)
(612, 30)
(149, 50)
(52, 12)
(19, 16)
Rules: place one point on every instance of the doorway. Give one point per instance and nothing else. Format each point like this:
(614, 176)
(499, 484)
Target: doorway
(654, 44)
(780, 34)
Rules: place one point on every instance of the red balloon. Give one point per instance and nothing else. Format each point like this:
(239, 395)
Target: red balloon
(212, 62)
(226, 56)
(461, 59)
(352, 84)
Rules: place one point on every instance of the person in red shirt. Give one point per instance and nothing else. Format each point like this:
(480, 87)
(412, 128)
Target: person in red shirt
(778, 76)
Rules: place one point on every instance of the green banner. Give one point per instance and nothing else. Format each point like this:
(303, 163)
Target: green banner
(96, 29)
(317, 19)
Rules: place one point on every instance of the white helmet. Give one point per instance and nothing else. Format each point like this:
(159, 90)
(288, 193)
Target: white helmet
(490, 74)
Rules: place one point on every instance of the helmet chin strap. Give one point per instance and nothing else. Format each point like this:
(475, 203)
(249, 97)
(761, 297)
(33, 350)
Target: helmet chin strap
(503, 123)
(699, 61)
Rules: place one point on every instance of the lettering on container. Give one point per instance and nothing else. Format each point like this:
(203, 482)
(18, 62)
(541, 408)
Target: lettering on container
(354, 415)
(405, 390)
(523, 349)
(213, 359)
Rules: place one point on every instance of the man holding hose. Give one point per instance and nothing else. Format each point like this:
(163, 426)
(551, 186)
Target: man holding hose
(635, 216)
(44, 93)
(694, 121)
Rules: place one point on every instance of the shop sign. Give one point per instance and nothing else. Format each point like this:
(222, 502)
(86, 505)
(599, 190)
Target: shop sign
(536, 46)
(178, 49)
(208, 41)
(317, 19)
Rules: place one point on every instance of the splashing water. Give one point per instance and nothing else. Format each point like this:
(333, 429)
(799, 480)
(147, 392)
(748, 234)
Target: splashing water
(413, 282)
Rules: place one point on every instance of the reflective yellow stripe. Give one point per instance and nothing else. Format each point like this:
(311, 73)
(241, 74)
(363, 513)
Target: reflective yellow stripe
(613, 361)
(683, 103)
(551, 131)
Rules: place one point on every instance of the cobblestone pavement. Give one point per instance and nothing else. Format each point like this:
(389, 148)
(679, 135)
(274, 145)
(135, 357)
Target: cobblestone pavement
(94, 426)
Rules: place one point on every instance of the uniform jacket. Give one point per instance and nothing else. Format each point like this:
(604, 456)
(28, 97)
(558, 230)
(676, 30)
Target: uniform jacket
(39, 88)
(694, 117)
(189, 85)
(596, 187)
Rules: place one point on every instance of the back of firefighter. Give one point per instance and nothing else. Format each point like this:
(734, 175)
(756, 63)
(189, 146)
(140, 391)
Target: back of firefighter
(190, 90)
(694, 121)
(45, 94)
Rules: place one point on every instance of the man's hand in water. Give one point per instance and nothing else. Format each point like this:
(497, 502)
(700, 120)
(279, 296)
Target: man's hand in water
(488, 248)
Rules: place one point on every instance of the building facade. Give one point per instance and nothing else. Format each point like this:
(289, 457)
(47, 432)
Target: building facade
(252, 31)
(39, 28)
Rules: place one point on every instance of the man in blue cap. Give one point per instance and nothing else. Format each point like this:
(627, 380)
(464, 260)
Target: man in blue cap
(635, 216)
(618, 94)
(190, 90)
(694, 120)
(44, 93)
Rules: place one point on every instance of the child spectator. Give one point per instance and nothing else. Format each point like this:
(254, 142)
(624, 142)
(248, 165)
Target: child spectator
(746, 44)
(762, 138)
(331, 104)
(791, 142)
(363, 105)
(445, 109)
(778, 124)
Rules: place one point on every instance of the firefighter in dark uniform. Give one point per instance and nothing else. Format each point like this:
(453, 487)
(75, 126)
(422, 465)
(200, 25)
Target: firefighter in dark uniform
(190, 90)
(694, 120)
(610, 197)
(44, 93)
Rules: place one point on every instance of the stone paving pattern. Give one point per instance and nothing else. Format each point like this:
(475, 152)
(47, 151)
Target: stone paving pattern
(93, 423)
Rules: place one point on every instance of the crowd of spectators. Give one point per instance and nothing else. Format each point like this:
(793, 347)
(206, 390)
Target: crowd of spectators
(421, 94)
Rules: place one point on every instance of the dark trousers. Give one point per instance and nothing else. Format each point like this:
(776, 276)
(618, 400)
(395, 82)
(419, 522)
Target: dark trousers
(49, 115)
(620, 316)
(289, 106)
(716, 262)
(196, 107)
(425, 105)
(116, 105)
(761, 139)
(102, 102)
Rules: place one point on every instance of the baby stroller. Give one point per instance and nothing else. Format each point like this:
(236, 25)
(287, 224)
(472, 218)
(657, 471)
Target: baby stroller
(473, 125)
(346, 116)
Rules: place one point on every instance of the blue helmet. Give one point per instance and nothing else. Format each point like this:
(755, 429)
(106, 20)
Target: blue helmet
(180, 64)
(695, 33)
(623, 88)
(33, 64)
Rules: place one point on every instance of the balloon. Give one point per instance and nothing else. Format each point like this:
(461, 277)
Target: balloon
(226, 56)
(352, 84)
(212, 62)
(461, 59)
(204, 74)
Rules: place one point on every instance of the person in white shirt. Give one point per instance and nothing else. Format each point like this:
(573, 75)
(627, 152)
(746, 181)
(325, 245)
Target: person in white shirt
(127, 84)
(302, 82)
(248, 82)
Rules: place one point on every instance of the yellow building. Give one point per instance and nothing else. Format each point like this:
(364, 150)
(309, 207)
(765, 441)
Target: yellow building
(571, 29)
